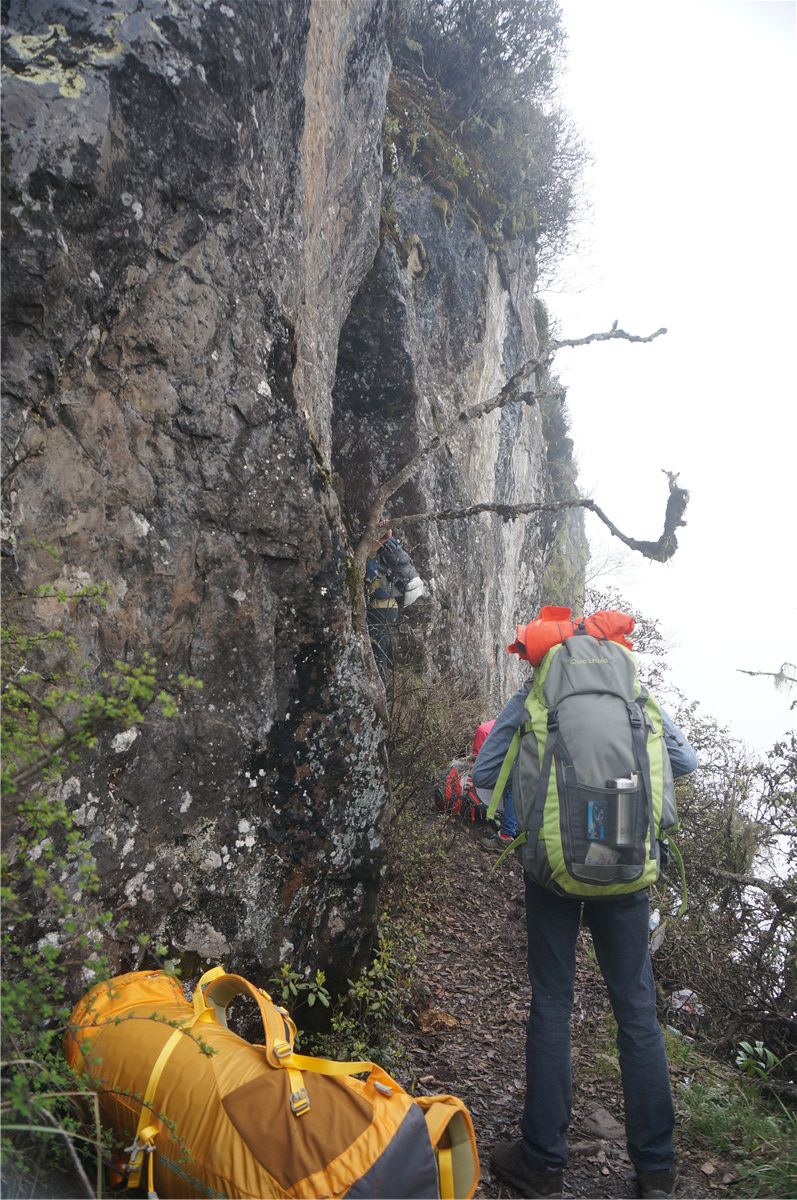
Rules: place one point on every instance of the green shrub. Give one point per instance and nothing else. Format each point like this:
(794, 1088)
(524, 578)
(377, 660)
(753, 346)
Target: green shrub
(53, 929)
(472, 102)
(367, 1021)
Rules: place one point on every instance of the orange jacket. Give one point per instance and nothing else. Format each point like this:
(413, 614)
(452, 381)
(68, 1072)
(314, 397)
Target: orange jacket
(553, 625)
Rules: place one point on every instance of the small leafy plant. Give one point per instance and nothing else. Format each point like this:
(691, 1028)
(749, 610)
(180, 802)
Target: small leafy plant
(53, 930)
(296, 990)
(365, 1022)
(756, 1060)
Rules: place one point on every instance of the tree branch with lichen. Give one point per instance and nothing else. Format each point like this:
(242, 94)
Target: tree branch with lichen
(512, 390)
(516, 388)
(659, 551)
(607, 336)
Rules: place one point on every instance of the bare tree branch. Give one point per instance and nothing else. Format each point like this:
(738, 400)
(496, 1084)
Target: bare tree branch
(667, 544)
(660, 550)
(512, 390)
(785, 675)
(507, 511)
(785, 678)
(779, 896)
(515, 388)
(609, 336)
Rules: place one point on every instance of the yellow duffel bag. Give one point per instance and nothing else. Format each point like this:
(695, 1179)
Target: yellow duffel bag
(198, 1111)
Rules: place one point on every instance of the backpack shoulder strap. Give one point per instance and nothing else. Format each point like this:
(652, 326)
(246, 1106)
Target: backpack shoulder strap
(639, 737)
(215, 991)
(503, 776)
(551, 742)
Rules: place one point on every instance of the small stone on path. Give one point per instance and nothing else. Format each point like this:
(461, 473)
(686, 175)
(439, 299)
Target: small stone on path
(603, 1124)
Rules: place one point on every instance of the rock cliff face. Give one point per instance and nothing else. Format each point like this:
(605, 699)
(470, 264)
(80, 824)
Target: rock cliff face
(209, 360)
(419, 346)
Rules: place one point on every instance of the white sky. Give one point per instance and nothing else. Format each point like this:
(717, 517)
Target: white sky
(688, 110)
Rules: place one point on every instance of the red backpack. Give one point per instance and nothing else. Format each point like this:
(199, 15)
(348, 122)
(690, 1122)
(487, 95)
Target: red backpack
(456, 794)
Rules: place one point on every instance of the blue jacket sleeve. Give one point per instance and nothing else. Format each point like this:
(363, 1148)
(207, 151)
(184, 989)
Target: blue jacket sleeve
(682, 756)
(489, 760)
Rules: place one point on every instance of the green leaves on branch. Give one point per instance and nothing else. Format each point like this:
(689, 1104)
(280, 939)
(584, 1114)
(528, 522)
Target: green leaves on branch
(51, 711)
(297, 990)
(54, 934)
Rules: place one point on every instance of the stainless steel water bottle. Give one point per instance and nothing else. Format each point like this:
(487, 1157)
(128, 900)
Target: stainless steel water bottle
(625, 809)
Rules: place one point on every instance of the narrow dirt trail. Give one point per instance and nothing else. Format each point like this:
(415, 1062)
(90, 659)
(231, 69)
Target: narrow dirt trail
(471, 1036)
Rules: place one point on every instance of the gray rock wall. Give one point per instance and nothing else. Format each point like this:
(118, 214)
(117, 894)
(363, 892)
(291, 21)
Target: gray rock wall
(209, 362)
(419, 346)
(191, 199)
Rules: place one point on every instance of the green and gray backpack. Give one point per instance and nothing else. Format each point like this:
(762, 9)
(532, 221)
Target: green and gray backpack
(593, 786)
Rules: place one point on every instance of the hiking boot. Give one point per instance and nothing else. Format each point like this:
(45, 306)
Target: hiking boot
(497, 843)
(657, 1185)
(508, 1162)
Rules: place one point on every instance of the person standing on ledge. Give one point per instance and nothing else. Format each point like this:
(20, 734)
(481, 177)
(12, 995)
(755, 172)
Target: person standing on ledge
(391, 583)
(619, 923)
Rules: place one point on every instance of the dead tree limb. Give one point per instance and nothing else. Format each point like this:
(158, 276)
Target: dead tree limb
(742, 671)
(608, 336)
(517, 388)
(785, 678)
(780, 897)
(660, 550)
(667, 544)
(507, 511)
(512, 390)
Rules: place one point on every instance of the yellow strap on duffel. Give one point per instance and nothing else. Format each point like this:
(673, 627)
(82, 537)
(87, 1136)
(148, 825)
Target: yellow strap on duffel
(215, 991)
(144, 1141)
(451, 1133)
(445, 1169)
(198, 999)
(328, 1066)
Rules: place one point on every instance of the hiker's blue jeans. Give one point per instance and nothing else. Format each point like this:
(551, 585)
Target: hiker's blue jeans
(508, 818)
(620, 933)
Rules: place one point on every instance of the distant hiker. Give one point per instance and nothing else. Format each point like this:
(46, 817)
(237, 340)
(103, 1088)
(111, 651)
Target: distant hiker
(391, 583)
(617, 916)
(487, 769)
(454, 793)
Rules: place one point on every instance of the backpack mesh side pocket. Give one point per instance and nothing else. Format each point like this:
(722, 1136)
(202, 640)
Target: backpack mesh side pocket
(602, 843)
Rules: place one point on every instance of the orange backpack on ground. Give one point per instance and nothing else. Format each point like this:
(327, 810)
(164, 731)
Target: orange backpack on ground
(201, 1112)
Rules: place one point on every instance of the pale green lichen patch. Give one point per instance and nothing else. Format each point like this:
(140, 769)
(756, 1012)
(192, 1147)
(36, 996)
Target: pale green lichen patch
(40, 62)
